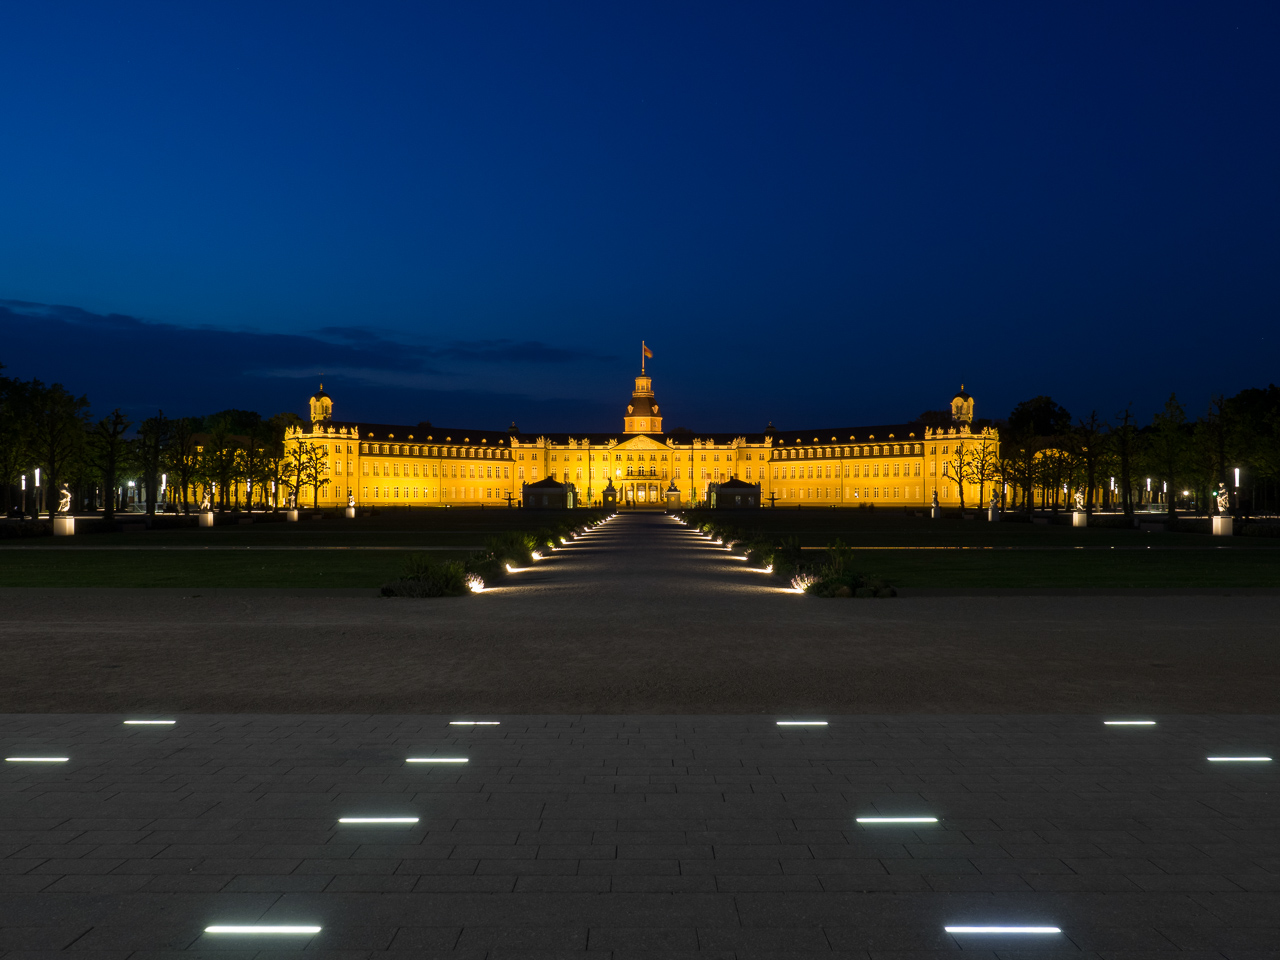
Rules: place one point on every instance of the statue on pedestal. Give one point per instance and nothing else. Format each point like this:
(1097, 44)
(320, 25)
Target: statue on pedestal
(935, 499)
(205, 506)
(351, 500)
(1079, 501)
(995, 499)
(64, 503)
(1224, 500)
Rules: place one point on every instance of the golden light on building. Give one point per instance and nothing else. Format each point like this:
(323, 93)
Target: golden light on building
(886, 465)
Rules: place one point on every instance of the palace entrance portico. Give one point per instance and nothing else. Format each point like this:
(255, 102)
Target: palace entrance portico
(637, 494)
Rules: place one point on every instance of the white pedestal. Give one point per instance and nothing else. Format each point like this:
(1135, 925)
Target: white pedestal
(206, 519)
(993, 514)
(1079, 518)
(935, 513)
(1222, 526)
(351, 513)
(291, 516)
(64, 526)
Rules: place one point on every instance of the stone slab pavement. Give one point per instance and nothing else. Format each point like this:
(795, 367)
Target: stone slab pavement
(639, 836)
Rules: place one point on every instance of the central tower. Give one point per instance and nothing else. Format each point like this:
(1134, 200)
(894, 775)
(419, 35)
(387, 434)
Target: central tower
(642, 412)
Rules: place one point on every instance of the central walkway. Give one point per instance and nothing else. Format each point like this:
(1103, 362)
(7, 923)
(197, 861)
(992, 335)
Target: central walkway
(642, 557)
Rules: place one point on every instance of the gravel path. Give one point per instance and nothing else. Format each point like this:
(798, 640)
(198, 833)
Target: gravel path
(643, 616)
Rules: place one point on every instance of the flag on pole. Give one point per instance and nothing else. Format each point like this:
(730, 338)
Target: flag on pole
(647, 352)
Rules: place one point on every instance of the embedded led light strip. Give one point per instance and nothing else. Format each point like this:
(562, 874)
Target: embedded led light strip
(156, 723)
(261, 928)
(474, 723)
(897, 819)
(377, 819)
(436, 760)
(802, 723)
(1128, 723)
(1002, 929)
(36, 759)
(1239, 759)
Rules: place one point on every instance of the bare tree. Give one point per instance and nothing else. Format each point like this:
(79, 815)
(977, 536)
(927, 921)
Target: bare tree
(1125, 442)
(108, 451)
(984, 465)
(959, 468)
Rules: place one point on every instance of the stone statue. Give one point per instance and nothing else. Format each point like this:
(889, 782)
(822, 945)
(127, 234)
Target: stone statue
(995, 499)
(1079, 500)
(351, 500)
(64, 504)
(1224, 500)
(205, 506)
(935, 498)
(293, 500)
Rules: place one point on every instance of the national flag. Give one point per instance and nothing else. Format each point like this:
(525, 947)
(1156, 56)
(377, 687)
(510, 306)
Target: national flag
(647, 352)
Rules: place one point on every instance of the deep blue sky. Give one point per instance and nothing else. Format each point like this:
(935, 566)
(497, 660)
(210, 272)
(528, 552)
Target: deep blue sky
(472, 213)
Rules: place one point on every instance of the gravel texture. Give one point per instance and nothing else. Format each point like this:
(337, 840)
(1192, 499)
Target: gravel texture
(642, 617)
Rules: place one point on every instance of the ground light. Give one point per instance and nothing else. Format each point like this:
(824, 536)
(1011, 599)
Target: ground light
(1128, 723)
(802, 723)
(377, 819)
(143, 723)
(258, 928)
(474, 723)
(436, 760)
(897, 819)
(36, 759)
(1002, 929)
(1239, 759)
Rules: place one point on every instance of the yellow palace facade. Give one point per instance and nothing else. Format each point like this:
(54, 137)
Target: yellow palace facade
(891, 465)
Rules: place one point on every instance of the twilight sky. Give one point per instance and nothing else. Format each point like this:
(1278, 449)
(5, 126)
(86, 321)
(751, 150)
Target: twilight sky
(472, 213)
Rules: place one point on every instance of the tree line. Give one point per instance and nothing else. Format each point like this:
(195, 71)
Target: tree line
(228, 460)
(1116, 463)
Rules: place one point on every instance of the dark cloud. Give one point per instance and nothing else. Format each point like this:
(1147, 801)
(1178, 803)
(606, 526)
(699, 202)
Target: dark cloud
(139, 365)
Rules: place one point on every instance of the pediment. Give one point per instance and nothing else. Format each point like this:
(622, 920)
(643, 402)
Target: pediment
(643, 443)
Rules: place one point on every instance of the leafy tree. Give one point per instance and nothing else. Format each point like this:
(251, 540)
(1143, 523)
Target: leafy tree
(1035, 426)
(1168, 448)
(154, 435)
(107, 453)
(14, 431)
(1126, 441)
(181, 457)
(56, 432)
(1090, 447)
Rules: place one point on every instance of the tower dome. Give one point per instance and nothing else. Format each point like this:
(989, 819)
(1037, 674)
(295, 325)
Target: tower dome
(643, 415)
(321, 406)
(962, 407)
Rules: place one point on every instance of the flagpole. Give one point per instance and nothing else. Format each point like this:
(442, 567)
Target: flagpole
(642, 358)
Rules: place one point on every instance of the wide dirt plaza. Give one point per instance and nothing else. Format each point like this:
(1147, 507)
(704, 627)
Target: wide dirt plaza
(638, 747)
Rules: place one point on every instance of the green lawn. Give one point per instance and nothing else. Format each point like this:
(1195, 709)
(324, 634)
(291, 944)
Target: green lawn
(159, 568)
(1069, 568)
(905, 568)
(883, 528)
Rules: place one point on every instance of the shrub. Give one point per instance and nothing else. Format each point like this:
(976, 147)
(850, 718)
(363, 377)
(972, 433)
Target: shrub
(427, 577)
(836, 577)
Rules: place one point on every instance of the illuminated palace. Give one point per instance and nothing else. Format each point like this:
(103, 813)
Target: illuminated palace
(900, 464)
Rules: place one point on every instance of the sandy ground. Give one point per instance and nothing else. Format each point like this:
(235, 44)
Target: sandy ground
(641, 617)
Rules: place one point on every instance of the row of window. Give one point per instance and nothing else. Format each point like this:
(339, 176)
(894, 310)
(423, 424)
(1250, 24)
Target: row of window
(850, 493)
(411, 450)
(850, 470)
